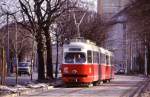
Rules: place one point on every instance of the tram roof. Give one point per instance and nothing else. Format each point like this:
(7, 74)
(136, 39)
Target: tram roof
(87, 44)
(82, 40)
(105, 51)
(83, 43)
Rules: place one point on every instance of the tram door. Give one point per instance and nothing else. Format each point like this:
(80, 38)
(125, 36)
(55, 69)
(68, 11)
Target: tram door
(90, 61)
(99, 66)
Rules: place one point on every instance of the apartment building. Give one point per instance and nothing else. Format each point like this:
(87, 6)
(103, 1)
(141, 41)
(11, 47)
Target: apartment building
(115, 41)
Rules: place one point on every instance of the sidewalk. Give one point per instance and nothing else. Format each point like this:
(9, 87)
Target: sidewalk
(25, 86)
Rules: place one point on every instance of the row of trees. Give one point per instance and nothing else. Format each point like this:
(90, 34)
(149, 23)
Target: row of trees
(138, 19)
(47, 18)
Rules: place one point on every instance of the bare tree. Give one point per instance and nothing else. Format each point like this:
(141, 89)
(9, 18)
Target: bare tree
(92, 27)
(15, 43)
(41, 15)
(12, 29)
(138, 14)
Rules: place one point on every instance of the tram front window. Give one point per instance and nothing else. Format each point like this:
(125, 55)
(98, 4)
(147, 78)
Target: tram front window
(75, 58)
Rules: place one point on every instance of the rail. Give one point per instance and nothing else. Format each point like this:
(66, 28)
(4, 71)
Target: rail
(141, 86)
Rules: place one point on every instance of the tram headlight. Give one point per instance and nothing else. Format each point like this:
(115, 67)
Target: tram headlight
(65, 70)
(90, 70)
(74, 71)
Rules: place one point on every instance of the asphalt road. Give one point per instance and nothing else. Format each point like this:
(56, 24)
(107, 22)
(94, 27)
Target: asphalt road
(121, 86)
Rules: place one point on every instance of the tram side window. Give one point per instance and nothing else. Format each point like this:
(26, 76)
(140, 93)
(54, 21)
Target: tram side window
(95, 57)
(111, 60)
(107, 59)
(103, 58)
(89, 56)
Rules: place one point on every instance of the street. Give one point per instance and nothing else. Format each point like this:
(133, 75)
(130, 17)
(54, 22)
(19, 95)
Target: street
(102, 44)
(121, 86)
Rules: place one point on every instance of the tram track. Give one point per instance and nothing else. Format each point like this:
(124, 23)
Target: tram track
(134, 91)
(122, 86)
(139, 88)
(146, 86)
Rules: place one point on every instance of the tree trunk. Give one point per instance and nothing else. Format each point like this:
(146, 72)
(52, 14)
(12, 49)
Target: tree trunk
(40, 51)
(49, 65)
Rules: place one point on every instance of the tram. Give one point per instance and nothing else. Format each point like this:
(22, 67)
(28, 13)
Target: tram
(86, 63)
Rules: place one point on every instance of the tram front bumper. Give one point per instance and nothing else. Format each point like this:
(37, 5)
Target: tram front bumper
(77, 78)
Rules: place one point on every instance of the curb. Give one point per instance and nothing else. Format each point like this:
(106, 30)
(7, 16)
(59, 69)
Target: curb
(28, 91)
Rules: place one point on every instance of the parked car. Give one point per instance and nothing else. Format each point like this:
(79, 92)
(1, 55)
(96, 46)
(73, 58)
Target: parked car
(24, 68)
(121, 71)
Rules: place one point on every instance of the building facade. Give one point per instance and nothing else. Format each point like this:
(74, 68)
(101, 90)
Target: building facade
(116, 40)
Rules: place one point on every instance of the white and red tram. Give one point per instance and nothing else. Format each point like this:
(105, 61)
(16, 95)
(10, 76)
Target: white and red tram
(84, 62)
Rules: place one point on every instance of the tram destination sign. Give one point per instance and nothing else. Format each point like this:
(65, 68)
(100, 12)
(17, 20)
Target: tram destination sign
(74, 49)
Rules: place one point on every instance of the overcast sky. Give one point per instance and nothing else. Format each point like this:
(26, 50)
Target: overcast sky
(12, 4)
(92, 4)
